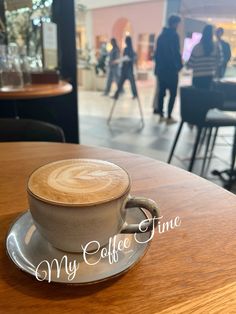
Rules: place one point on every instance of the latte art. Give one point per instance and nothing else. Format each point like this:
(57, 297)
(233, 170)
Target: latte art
(79, 181)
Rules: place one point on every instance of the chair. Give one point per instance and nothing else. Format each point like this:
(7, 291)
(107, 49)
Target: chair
(229, 91)
(201, 108)
(14, 130)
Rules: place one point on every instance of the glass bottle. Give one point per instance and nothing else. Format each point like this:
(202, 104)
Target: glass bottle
(12, 75)
(25, 66)
(3, 63)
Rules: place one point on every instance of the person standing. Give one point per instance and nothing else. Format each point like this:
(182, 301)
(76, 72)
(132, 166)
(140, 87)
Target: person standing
(127, 69)
(155, 100)
(224, 52)
(168, 63)
(204, 60)
(113, 66)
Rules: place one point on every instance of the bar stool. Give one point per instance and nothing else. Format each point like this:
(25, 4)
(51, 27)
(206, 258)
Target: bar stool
(202, 108)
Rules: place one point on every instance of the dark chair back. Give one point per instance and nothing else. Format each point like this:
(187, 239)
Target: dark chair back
(14, 130)
(195, 103)
(228, 89)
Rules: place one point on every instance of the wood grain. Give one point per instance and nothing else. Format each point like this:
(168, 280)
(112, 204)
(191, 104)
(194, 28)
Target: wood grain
(222, 300)
(190, 269)
(36, 91)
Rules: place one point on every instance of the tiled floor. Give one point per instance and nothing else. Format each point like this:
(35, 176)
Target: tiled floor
(154, 140)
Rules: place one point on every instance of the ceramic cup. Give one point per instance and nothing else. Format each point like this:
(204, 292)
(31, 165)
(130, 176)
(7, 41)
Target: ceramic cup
(74, 219)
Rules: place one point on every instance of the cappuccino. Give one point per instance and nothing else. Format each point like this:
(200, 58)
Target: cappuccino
(60, 194)
(79, 182)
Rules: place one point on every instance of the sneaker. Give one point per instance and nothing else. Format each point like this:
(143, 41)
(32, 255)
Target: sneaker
(162, 119)
(157, 111)
(171, 121)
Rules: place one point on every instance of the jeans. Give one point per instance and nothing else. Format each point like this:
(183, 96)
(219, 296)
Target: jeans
(100, 66)
(126, 76)
(167, 83)
(113, 75)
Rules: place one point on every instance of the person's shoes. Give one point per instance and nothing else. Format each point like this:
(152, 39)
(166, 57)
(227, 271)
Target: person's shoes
(105, 94)
(157, 111)
(162, 119)
(171, 121)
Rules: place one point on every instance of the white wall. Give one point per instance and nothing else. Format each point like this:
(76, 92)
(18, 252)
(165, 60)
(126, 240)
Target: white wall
(94, 4)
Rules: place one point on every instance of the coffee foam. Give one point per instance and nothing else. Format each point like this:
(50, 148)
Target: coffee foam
(79, 182)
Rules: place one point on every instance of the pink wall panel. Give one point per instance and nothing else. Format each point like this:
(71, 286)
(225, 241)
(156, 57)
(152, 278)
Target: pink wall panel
(143, 17)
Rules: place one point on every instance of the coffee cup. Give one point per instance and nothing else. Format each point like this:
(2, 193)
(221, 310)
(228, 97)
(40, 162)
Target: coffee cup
(77, 201)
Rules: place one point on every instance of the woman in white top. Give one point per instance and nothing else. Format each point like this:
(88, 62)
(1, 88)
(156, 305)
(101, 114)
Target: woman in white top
(204, 60)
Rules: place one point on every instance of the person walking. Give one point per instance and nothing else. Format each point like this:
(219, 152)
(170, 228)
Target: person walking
(101, 64)
(168, 63)
(113, 66)
(224, 52)
(204, 60)
(127, 69)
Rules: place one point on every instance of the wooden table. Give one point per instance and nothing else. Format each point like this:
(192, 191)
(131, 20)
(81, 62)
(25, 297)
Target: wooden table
(36, 91)
(191, 269)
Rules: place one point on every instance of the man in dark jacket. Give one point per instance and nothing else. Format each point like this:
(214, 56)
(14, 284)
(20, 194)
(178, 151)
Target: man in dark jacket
(168, 64)
(224, 52)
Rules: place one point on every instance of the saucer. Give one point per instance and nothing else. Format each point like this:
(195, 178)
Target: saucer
(32, 253)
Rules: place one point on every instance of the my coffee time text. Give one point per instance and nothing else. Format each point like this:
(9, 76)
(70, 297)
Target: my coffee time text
(110, 252)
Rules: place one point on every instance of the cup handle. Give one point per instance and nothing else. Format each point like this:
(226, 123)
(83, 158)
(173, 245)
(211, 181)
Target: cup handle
(149, 223)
